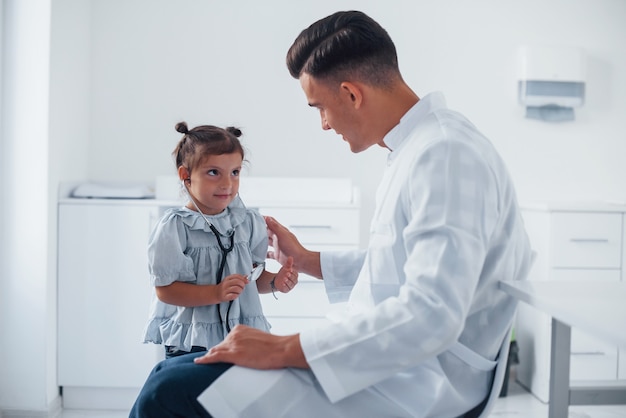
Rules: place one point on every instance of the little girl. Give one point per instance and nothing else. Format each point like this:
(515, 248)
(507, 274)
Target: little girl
(201, 256)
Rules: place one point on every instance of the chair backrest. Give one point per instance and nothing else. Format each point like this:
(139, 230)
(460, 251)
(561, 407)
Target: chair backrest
(484, 409)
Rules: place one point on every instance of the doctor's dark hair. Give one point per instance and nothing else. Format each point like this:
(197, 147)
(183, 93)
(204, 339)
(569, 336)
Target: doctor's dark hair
(343, 46)
(203, 141)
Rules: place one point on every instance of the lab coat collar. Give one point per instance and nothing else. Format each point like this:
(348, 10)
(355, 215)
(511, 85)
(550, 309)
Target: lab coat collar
(399, 134)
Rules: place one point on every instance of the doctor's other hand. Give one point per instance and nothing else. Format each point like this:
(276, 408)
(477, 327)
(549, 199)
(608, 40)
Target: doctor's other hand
(231, 287)
(287, 277)
(250, 347)
(283, 241)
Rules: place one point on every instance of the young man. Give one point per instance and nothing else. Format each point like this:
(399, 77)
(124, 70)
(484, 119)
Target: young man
(426, 317)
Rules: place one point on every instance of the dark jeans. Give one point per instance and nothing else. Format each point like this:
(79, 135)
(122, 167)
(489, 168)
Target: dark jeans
(173, 386)
(171, 352)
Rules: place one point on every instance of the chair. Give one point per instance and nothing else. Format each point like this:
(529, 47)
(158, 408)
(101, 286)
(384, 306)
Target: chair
(484, 408)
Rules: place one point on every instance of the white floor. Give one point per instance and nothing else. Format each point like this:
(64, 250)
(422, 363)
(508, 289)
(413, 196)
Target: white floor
(521, 404)
(517, 404)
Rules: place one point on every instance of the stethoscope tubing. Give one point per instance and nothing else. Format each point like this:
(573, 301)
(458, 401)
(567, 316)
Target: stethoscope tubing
(224, 249)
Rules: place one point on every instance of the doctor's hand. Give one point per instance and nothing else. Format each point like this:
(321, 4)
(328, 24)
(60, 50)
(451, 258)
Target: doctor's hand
(285, 245)
(282, 240)
(249, 347)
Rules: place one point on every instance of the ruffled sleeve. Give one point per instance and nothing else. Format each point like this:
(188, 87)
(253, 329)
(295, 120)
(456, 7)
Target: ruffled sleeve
(166, 257)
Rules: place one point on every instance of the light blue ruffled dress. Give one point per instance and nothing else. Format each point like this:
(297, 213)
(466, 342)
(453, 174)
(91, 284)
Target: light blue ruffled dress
(183, 248)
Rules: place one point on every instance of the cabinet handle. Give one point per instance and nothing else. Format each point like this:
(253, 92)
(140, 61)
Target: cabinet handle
(588, 353)
(589, 240)
(310, 227)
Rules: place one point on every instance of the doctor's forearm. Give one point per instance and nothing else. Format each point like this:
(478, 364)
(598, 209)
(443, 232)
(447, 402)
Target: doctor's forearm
(292, 353)
(309, 263)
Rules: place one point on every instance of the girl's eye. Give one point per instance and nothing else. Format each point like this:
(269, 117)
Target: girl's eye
(212, 172)
(236, 173)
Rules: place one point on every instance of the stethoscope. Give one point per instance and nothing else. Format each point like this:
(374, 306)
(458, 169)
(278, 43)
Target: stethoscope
(225, 249)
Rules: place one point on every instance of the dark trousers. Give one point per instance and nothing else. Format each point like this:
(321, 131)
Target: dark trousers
(171, 352)
(173, 386)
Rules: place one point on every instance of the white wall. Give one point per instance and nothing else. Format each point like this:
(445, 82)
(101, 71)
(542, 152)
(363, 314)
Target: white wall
(155, 63)
(123, 72)
(27, 310)
(3, 312)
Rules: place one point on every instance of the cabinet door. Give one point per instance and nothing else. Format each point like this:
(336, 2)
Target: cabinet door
(104, 295)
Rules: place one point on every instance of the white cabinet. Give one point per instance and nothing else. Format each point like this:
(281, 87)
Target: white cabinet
(317, 228)
(572, 243)
(103, 300)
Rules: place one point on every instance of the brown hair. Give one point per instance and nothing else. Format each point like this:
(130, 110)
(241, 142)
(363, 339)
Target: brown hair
(205, 140)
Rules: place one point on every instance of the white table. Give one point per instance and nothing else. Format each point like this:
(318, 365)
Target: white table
(598, 308)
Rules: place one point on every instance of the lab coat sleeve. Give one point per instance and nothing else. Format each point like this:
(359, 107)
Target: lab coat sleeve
(446, 203)
(340, 270)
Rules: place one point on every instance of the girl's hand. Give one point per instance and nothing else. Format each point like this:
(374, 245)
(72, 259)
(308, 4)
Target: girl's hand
(231, 287)
(287, 277)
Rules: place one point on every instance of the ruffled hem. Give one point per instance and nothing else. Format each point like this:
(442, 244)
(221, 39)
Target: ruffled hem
(183, 336)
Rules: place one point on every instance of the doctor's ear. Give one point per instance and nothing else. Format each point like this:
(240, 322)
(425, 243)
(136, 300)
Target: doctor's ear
(352, 91)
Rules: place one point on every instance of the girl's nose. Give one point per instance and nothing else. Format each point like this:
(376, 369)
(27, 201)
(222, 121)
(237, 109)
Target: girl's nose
(226, 182)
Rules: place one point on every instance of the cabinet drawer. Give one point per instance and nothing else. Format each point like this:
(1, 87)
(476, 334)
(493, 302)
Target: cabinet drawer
(586, 240)
(319, 225)
(591, 358)
(308, 299)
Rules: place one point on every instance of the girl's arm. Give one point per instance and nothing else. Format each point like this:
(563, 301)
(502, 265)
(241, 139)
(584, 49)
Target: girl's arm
(284, 280)
(190, 295)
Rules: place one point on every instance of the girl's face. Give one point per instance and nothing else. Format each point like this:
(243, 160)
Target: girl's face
(214, 183)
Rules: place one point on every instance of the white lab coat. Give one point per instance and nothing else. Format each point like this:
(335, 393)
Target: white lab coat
(425, 315)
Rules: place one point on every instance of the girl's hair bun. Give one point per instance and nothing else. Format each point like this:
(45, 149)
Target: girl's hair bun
(234, 131)
(182, 127)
